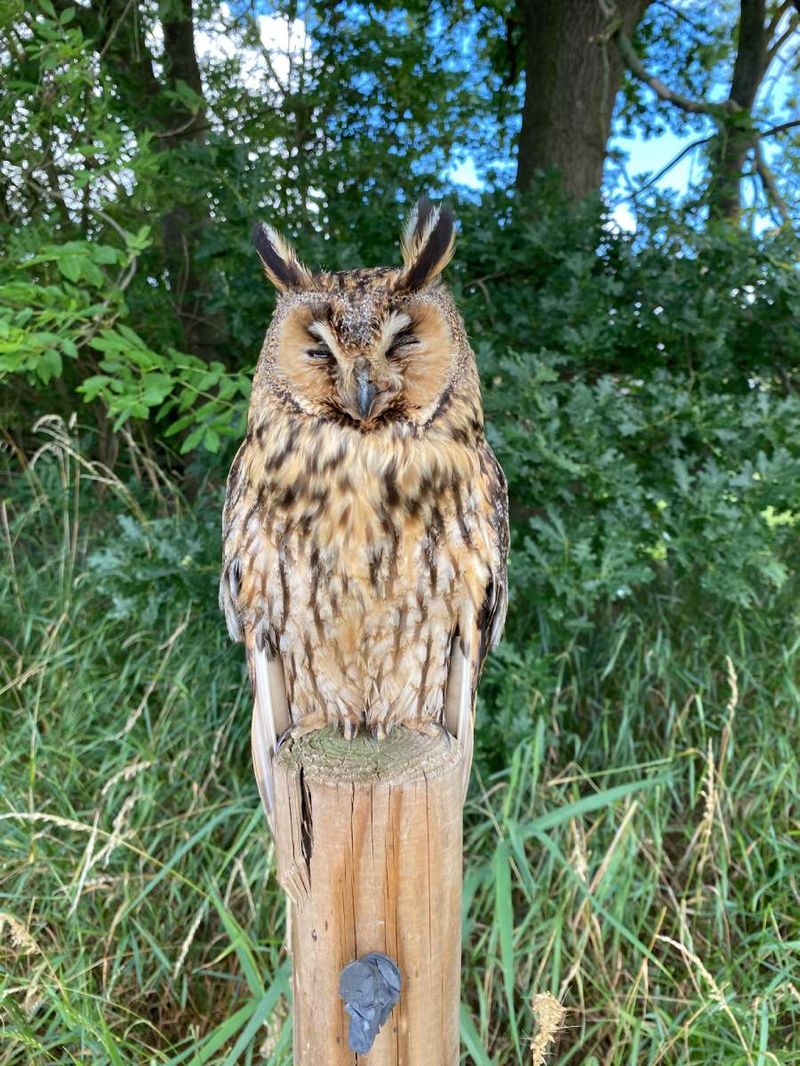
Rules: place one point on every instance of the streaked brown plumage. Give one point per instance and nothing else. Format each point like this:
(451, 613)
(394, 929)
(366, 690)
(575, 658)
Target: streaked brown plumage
(366, 524)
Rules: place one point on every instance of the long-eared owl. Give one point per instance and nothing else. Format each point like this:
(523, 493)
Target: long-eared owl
(365, 528)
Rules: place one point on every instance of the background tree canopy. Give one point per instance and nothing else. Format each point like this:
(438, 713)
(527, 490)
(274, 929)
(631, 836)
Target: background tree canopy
(632, 832)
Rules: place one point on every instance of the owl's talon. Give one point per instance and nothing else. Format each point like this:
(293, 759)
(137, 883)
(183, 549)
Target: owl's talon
(349, 729)
(427, 728)
(310, 724)
(286, 735)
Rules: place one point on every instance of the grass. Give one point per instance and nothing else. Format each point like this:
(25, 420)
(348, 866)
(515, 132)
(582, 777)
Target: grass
(638, 858)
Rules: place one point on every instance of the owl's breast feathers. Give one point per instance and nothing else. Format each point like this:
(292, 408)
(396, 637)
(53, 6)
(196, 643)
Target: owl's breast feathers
(362, 560)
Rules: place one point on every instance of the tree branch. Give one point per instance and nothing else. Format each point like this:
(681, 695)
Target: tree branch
(773, 50)
(681, 15)
(614, 31)
(114, 30)
(772, 131)
(666, 169)
(771, 185)
(782, 128)
(780, 11)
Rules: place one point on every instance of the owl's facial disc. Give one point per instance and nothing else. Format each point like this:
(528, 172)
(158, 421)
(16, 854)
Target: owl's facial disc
(394, 366)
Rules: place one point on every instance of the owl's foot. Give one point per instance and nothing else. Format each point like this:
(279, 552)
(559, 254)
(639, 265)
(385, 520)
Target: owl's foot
(309, 724)
(380, 730)
(427, 728)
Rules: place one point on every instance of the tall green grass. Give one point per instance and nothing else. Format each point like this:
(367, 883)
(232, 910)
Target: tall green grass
(639, 858)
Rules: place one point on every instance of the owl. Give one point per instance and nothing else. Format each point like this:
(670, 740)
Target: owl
(365, 527)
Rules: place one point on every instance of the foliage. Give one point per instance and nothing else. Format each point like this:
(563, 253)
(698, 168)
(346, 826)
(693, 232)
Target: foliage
(645, 423)
(113, 221)
(63, 303)
(47, 318)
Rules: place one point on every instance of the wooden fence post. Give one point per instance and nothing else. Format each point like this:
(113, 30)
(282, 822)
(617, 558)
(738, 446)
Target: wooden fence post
(368, 837)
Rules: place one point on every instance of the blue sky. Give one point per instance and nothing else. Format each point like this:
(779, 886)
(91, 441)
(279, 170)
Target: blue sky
(649, 157)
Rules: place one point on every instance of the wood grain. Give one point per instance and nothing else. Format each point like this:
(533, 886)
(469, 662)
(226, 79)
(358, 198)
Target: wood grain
(369, 850)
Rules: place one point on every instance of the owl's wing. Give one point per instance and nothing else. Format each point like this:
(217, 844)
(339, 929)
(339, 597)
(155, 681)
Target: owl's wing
(271, 716)
(479, 631)
(245, 558)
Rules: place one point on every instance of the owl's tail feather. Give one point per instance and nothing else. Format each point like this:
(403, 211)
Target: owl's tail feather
(271, 717)
(459, 700)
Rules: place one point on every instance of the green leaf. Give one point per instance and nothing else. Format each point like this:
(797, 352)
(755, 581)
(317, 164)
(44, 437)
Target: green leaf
(70, 266)
(94, 387)
(471, 1040)
(193, 439)
(133, 338)
(504, 915)
(211, 440)
(587, 804)
(240, 943)
(50, 365)
(105, 254)
(155, 388)
(108, 341)
(139, 241)
(278, 988)
(92, 273)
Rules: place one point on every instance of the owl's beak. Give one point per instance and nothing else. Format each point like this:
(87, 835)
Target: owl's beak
(366, 391)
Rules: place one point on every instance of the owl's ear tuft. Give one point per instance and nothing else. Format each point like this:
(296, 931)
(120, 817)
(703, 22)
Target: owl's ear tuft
(428, 243)
(279, 259)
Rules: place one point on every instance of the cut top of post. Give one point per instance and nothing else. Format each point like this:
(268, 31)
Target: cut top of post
(403, 756)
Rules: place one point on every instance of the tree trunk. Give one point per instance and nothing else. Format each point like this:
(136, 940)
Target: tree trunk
(118, 35)
(145, 104)
(571, 84)
(183, 225)
(736, 134)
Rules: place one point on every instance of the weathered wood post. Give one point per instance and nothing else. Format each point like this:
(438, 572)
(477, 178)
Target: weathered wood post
(369, 846)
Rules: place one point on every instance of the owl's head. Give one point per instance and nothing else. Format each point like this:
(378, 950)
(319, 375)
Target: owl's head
(369, 346)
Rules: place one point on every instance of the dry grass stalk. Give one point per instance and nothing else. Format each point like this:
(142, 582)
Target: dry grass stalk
(730, 709)
(550, 1015)
(187, 941)
(691, 959)
(19, 934)
(125, 774)
(707, 824)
